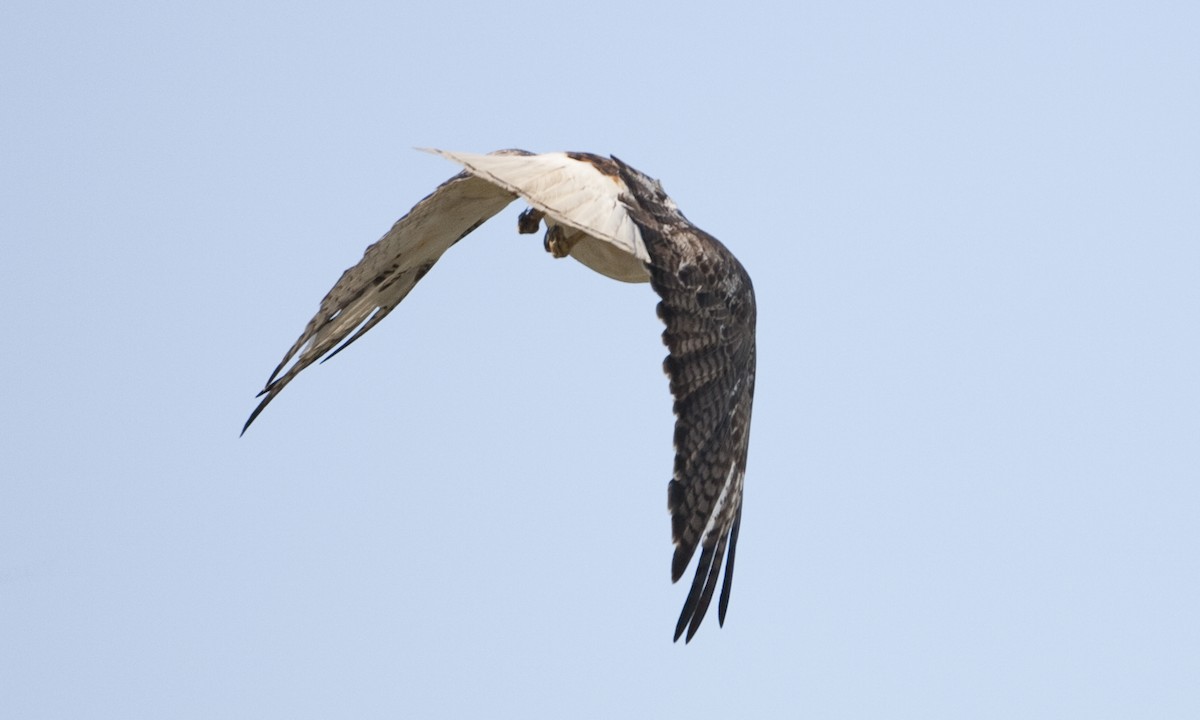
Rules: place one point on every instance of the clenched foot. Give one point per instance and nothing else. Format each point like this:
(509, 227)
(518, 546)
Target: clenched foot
(559, 240)
(528, 221)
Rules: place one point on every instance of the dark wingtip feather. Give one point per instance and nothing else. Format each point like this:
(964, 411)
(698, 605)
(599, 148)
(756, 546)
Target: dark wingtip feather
(710, 584)
(256, 413)
(379, 314)
(684, 549)
(727, 585)
(251, 419)
(679, 562)
(700, 595)
(689, 605)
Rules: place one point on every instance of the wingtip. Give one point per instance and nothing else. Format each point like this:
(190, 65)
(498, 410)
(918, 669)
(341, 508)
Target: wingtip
(458, 158)
(686, 624)
(258, 410)
(249, 422)
(679, 628)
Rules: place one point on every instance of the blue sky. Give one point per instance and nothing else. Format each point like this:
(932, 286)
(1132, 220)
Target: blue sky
(972, 487)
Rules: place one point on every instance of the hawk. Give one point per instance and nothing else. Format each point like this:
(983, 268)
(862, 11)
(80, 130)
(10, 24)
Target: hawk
(620, 223)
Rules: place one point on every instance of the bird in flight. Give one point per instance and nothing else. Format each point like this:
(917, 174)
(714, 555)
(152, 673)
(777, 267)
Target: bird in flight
(620, 223)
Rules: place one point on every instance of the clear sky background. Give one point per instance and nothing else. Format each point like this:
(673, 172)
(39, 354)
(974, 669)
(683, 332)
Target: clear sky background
(974, 481)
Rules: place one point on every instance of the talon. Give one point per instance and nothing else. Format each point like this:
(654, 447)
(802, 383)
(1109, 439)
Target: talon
(529, 220)
(558, 243)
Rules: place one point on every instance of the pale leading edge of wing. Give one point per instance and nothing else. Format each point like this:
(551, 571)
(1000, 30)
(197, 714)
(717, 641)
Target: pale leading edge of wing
(571, 191)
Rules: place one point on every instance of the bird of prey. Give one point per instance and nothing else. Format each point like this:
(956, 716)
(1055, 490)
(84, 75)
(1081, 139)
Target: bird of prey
(620, 223)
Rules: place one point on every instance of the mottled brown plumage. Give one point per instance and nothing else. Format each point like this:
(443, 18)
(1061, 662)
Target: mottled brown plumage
(620, 223)
(708, 308)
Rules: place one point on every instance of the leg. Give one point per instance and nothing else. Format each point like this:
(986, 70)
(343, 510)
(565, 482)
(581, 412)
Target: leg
(560, 239)
(528, 221)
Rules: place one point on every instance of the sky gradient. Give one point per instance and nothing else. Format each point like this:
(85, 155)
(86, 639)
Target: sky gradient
(973, 487)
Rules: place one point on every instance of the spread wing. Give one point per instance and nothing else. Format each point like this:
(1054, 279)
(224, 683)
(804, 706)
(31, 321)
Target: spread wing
(709, 310)
(389, 269)
(581, 192)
